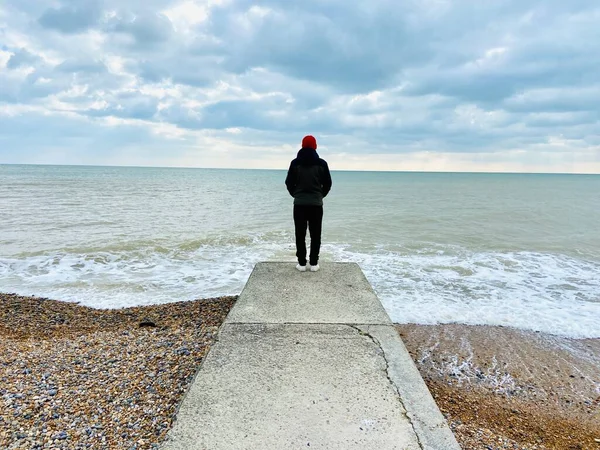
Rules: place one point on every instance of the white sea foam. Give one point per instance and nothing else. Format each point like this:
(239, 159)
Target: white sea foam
(133, 278)
(462, 370)
(534, 291)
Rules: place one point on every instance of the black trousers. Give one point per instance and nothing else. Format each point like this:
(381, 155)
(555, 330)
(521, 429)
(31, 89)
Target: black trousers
(313, 217)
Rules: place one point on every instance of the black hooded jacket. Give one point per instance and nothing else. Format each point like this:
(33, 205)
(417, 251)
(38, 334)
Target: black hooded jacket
(308, 179)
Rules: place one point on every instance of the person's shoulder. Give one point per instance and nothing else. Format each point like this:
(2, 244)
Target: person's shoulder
(322, 162)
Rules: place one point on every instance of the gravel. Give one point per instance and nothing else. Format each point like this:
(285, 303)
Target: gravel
(73, 377)
(503, 388)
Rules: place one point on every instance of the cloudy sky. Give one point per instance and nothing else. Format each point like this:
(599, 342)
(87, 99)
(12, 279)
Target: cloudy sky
(450, 85)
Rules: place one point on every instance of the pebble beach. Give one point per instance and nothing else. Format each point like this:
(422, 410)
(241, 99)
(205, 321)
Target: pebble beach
(73, 377)
(505, 388)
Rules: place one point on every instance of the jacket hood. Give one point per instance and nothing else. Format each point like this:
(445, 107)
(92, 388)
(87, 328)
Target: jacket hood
(308, 156)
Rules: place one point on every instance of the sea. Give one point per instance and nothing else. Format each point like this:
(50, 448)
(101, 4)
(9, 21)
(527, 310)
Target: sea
(517, 250)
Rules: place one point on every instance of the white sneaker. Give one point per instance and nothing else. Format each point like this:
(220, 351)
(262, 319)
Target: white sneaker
(314, 268)
(301, 268)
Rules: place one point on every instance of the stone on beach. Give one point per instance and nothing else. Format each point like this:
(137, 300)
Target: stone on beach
(76, 377)
(504, 388)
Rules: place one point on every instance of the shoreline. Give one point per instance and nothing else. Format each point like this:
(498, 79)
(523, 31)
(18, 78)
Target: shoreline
(504, 388)
(73, 376)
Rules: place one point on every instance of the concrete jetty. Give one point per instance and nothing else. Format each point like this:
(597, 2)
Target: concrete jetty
(308, 360)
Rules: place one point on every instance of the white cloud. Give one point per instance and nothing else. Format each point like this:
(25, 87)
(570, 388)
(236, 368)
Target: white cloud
(432, 85)
(186, 14)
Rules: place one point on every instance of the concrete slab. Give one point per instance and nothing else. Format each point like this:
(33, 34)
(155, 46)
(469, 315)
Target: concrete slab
(428, 422)
(291, 387)
(309, 360)
(278, 293)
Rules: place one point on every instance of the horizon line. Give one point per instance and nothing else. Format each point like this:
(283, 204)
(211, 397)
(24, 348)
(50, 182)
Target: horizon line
(283, 169)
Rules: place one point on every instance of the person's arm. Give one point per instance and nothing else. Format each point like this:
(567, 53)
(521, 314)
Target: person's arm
(290, 180)
(326, 180)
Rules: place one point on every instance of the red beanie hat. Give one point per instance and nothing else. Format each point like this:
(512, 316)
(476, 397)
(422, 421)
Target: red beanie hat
(309, 142)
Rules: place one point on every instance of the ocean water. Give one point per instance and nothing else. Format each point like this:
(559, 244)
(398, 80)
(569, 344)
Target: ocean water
(518, 250)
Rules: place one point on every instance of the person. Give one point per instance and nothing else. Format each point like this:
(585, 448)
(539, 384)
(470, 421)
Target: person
(308, 181)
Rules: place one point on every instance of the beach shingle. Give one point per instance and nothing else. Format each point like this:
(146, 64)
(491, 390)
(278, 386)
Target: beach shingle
(76, 377)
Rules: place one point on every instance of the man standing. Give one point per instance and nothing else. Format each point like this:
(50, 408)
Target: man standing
(308, 181)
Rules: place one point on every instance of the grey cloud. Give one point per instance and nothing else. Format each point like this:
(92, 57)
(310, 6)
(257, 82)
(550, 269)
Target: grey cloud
(488, 88)
(72, 18)
(56, 139)
(37, 86)
(356, 55)
(147, 29)
(32, 87)
(8, 91)
(228, 114)
(78, 65)
(494, 85)
(306, 94)
(22, 57)
(245, 114)
(179, 68)
(539, 45)
(150, 71)
(282, 68)
(561, 119)
(555, 100)
(126, 105)
(181, 116)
